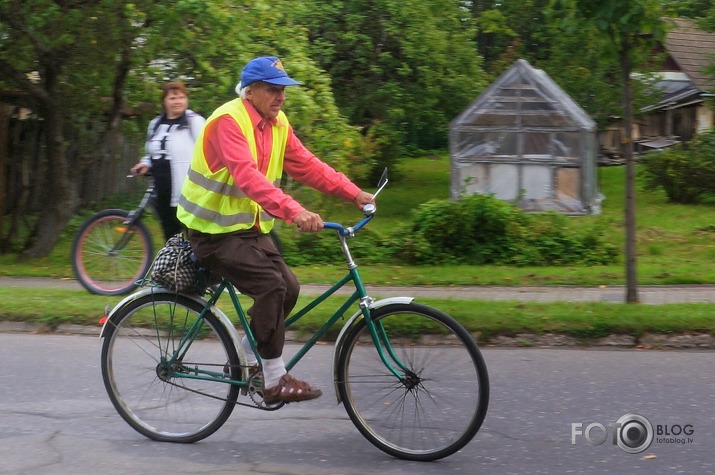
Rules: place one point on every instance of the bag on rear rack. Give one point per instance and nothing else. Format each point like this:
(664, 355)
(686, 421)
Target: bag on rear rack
(177, 268)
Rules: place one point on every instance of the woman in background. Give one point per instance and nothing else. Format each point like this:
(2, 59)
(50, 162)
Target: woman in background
(170, 142)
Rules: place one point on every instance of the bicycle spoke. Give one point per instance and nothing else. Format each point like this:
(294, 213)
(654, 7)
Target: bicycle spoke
(154, 388)
(103, 266)
(440, 401)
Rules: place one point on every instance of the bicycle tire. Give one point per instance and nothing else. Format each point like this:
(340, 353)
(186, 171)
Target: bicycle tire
(97, 266)
(442, 399)
(140, 337)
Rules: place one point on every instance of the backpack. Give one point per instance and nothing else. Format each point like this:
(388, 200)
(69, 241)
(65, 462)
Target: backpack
(184, 123)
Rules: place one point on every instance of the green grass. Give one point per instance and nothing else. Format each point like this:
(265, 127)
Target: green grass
(423, 179)
(585, 321)
(676, 243)
(675, 246)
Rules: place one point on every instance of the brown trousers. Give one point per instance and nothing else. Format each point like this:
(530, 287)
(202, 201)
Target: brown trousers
(250, 260)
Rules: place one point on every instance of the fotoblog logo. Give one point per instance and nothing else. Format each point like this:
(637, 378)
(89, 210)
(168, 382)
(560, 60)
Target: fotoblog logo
(631, 432)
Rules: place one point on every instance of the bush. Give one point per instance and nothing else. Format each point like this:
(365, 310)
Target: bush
(475, 230)
(322, 248)
(686, 173)
(481, 229)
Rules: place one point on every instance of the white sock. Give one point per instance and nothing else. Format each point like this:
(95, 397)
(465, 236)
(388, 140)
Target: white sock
(250, 356)
(273, 371)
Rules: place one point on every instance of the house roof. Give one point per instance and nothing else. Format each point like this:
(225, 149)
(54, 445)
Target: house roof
(692, 50)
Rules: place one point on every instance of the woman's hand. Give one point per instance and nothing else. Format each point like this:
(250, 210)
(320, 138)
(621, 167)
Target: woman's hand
(139, 169)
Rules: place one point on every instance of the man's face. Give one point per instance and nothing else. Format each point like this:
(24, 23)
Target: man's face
(266, 98)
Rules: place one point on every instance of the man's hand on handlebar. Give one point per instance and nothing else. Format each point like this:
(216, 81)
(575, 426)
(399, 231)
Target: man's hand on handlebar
(308, 222)
(362, 199)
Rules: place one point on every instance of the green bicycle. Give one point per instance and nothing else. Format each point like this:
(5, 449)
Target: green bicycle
(411, 378)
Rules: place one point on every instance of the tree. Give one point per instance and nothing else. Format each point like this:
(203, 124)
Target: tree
(631, 29)
(508, 31)
(401, 69)
(689, 8)
(45, 46)
(573, 58)
(68, 56)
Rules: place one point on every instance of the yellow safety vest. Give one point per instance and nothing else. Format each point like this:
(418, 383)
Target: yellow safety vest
(210, 201)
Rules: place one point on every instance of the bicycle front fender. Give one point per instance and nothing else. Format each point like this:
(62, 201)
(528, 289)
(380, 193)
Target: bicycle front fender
(349, 324)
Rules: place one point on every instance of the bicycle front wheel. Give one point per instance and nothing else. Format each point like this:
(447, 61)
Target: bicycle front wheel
(166, 388)
(108, 256)
(440, 400)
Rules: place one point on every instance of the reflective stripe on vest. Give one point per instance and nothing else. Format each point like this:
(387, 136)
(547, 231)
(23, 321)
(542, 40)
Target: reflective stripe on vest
(210, 202)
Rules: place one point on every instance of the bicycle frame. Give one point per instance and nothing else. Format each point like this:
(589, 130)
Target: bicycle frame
(377, 332)
(134, 216)
(366, 303)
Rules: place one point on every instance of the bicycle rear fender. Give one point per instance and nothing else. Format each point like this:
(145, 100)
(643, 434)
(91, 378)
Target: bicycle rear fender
(349, 324)
(222, 318)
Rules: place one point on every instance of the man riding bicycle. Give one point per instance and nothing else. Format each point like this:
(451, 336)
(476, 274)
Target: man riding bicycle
(231, 198)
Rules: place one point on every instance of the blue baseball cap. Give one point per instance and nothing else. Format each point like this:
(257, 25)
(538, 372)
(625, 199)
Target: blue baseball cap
(267, 69)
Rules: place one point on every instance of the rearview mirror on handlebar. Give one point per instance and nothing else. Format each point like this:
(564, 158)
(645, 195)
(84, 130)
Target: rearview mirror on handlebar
(381, 184)
(370, 208)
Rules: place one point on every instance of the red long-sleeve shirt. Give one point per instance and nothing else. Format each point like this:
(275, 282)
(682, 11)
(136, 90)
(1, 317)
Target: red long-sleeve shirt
(226, 146)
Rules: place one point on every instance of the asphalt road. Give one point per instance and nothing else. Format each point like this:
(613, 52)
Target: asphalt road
(55, 418)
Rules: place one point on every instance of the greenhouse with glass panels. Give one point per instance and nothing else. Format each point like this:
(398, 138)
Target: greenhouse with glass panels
(526, 141)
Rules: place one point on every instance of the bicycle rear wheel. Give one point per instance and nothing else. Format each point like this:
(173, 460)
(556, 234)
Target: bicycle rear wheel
(441, 400)
(108, 257)
(151, 386)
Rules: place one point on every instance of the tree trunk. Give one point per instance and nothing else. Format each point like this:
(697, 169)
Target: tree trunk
(5, 114)
(627, 145)
(61, 198)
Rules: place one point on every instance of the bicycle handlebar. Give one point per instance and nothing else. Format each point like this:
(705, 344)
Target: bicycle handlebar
(148, 174)
(350, 230)
(368, 210)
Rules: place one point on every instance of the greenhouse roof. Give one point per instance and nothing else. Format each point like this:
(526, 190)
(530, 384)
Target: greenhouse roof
(524, 97)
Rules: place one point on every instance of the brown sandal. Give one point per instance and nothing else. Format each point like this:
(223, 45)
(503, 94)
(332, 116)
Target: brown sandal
(290, 389)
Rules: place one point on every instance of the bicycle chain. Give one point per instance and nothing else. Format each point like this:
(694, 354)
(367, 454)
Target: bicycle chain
(257, 404)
